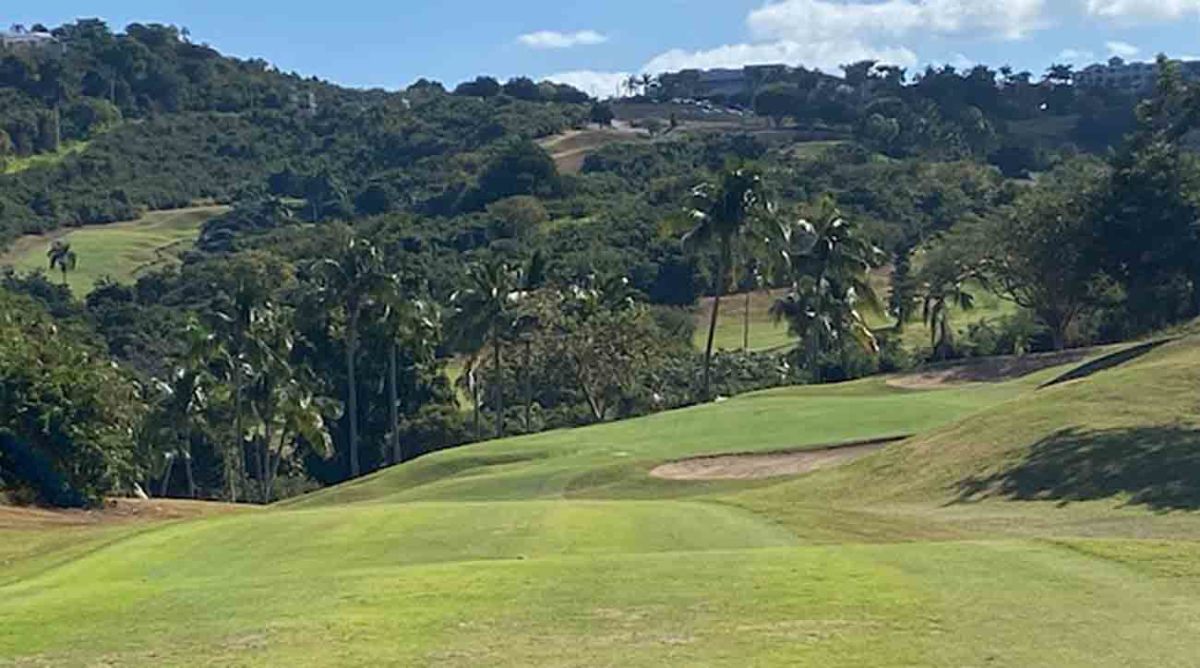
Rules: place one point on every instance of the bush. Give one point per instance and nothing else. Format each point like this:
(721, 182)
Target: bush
(1008, 335)
(67, 415)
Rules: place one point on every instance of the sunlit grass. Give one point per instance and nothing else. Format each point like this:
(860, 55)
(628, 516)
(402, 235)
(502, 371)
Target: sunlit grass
(120, 251)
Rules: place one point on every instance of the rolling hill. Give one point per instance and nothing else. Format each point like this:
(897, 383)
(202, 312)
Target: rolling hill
(120, 251)
(959, 546)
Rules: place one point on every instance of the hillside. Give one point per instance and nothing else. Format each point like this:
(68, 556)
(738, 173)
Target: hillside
(120, 251)
(558, 547)
(1123, 437)
(427, 366)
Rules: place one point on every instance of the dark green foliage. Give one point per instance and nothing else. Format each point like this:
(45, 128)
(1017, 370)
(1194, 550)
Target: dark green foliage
(66, 414)
(208, 126)
(480, 87)
(602, 114)
(453, 195)
(518, 168)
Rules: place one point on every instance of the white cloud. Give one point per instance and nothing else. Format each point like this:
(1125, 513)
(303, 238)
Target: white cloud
(1122, 49)
(827, 56)
(1143, 10)
(962, 62)
(1076, 55)
(550, 39)
(804, 20)
(596, 84)
(825, 34)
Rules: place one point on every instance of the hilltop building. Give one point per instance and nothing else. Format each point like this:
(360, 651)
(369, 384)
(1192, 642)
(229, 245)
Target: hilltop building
(1129, 77)
(20, 39)
(727, 83)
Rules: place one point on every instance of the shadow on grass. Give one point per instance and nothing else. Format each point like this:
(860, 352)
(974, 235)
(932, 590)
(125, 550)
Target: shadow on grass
(1107, 362)
(1158, 467)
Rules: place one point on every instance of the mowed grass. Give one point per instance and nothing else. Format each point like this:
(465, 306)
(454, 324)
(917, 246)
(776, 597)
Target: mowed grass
(120, 251)
(767, 335)
(558, 550)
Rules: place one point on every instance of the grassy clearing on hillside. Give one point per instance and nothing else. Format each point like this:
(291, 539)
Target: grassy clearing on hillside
(557, 549)
(20, 164)
(571, 148)
(120, 250)
(767, 335)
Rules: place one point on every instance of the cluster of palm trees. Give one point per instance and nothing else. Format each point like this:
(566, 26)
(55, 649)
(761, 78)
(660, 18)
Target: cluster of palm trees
(635, 83)
(248, 367)
(486, 313)
(822, 260)
(245, 366)
(249, 364)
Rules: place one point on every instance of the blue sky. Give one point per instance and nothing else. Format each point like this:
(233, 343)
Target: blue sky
(392, 43)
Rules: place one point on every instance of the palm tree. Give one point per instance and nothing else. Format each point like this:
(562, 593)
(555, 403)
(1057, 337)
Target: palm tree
(719, 213)
(942, 293)
(189, 390)
(62, 257)
(631, 83)
(350, 282)
(252, 282)
(288, 413)
(828, 267)
(415, 326)
(646, 82)
(486, 313)
(302, 419)
(271, 342)
(754, 281)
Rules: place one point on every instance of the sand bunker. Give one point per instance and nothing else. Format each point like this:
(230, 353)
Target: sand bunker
(766, 465)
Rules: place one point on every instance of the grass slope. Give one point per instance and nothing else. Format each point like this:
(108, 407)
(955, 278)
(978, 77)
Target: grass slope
(119, 250)
(556, 549)
(20, 164)
(570, 149)
(767, 335)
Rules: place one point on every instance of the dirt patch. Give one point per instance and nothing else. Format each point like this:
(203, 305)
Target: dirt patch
(751, 466)
(115, 511)
(571, 148)
(988, 369)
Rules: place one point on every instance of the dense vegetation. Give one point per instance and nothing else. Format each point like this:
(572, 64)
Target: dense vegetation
(375, 239)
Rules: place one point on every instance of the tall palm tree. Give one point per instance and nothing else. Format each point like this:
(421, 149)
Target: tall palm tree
(349, 282)
(647, 82)
(288, 413)
(631, 84)
(62, 257)
(248, 290)
(719, 213)
(753, 281)
(944, 291)
(828, 266)
(189, 389)
(271, 344)
(414, 325)
(487, 312)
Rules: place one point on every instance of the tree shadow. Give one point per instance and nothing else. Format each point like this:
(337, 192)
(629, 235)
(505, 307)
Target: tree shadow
(1158, 467)
(1106, 362)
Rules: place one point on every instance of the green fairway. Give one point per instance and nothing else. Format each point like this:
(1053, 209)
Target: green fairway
(558, 549)
(119, 250)
(767, 335)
